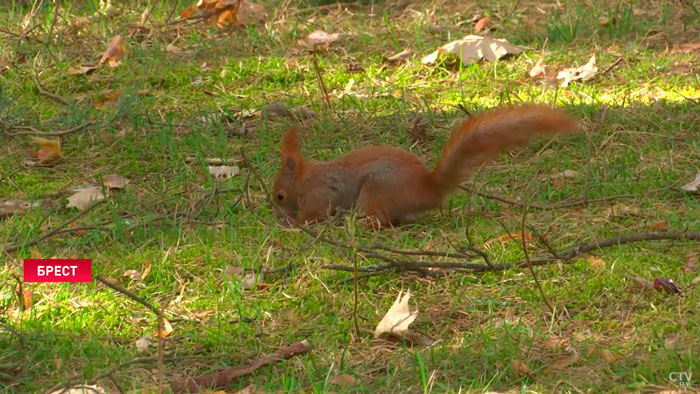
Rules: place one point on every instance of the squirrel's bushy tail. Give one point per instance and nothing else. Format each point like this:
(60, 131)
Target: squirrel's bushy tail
(485, 135)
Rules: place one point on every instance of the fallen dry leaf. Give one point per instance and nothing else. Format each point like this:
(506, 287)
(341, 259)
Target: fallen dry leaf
(397, 318)
(417, 131)
(80, 70)
(83, 197)
(620, 210)
(563, 363)
(343, 380)
(582, 73)
(142, 344)
(482, 24)
(667, 285)
(693, 185)
(249, 13)
(115, 53)
(139, 276)
(106, 97)
(685, 47)
(520, 368)
(596, 263)
(81, 389)
(165, 329)
(689, 265)
(647, 284)
(114, 182)
(250, 389)
(538, 69)
(320, 37)
(658, 226)
(49, 150)
(403, 55)
(609, 356)
(223, 171)
(555, 343)
(473, 48)
(11, 207)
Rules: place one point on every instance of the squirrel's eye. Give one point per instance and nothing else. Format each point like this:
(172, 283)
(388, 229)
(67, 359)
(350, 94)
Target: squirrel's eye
(280, 196)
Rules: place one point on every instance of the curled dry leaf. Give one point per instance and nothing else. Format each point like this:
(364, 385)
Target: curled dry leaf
(555, 343)
(667, 285)
(81, 70)
(114, 182)
(83, 197)
(538, 69)
(403, 55)
(563, 363)
(223, 171)
(658, 226)
(582, 73)
(165, 329)
(49, 150)
(139, 276)
(692, 186)
(620, 210)
(686, 47)
(115, 53)
(343, 380)
(482, 24)
(16, 206)
(320, 37)
(520, 368)
(596, 263)
(473, 48)
(142, 344)
(397, 318)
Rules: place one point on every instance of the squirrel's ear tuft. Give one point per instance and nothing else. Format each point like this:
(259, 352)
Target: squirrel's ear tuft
(290, 142)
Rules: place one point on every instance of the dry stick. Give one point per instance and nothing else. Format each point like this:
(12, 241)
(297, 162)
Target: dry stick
(529, 264)
(563, 204)
(35, 240)
(356, 297)
(33, 131)
(45, 92)
(607, 70)
(326, 98)
(56, 8)
(227, 375)
(131, 295)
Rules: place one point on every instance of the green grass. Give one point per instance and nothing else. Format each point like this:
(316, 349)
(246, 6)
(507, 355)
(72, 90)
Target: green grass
(640, 137)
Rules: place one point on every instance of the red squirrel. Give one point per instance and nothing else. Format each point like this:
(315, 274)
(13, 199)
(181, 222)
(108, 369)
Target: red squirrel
(392, 186)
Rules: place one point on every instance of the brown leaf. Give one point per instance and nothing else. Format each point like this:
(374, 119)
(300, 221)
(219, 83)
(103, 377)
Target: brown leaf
(343, 380)
(165, 329)
(473, 48)
(538, 69)
(620, 210)
(689, 265)
(658, 226)
(668, 285)
(563, 363)
(520, 368)
(115, 53)
(555, 343)
(582, 73)
(403, 55)
(609, 356)
(320, 37)
(596, 263)
(108, 96)
(12, 207)
(275, 110)
(249, 13)
(83, 197)
(80, 70)
(139, 276)
(187, 12)
(27, 296)
(686, 47)
(114, 182)
(49, 150)
(482, 24)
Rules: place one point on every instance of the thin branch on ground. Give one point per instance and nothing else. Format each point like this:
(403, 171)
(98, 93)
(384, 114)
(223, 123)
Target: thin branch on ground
(46, 93)
(32, 131)
(523, 241)
(35, 240)
(563, 204)
(131, 295)
(319, 77)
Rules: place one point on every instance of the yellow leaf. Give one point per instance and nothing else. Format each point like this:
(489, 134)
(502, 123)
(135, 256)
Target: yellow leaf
(165, 328)
(49, 150)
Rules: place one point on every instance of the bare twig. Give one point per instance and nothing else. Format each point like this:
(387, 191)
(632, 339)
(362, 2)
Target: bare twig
(131, 295)
(562, 204)
(607, 70)
(228, 375)
(33, 131)
(529, 263)
(319, 77)
(45, 92)
(35, 240)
